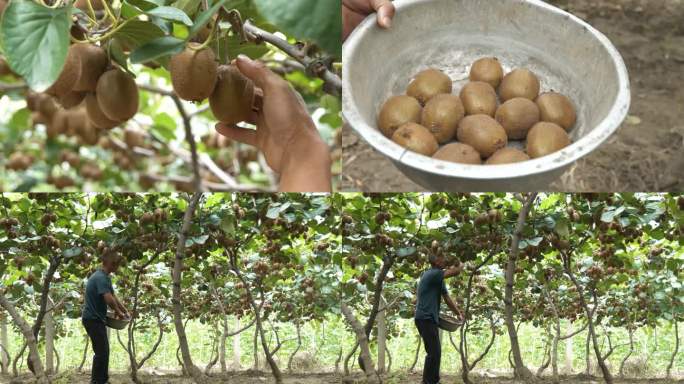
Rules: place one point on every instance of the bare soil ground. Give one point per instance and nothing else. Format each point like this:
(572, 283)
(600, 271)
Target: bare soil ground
(644, 155)
(313, 378)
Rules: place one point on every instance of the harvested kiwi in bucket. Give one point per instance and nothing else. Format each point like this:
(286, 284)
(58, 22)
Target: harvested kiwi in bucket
(495, 118)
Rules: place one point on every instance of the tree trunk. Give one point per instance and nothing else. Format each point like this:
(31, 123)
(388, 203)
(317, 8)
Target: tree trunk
(222, 345)
(25, 328)
(337, 362)
(192, 370)
(554, 351)
(4, 341)
(49, 343)
(372, 376)
(587, 351)
(631, 350)
(382, 336)
(415, 357)
(299, 345)
(520, 370)
(569, 355)
(85, 354)
(256, 349)
(237, 351)
(676, 350)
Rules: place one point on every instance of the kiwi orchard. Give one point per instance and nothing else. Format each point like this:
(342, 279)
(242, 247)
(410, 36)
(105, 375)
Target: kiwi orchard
(124, 95)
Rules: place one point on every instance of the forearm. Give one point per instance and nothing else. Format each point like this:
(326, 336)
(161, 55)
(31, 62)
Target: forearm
(306, 167)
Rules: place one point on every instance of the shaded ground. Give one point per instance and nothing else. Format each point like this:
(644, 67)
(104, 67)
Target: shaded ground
(313, 378)
(645, 154)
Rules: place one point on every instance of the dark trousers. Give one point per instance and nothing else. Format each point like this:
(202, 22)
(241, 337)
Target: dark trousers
(429, 332)
(97, 331)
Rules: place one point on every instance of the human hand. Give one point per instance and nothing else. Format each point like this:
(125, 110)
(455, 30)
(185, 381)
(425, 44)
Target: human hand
(285, 133)
(354, 11)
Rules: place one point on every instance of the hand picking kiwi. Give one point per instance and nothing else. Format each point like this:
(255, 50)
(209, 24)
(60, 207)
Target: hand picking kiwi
(558, 109)
(483, 133)
(487, 69)
(441, 116)
(416, 138)
(194, 72)
(397, 111)
(519, 83)
(517, 116)
(479, 98)
(233, 98)
(545, 139)
(506, 156)
(458, 153)
(429, 83)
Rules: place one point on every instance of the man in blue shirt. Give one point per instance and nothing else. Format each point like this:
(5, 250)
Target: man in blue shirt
(99, 295)
(431, 289)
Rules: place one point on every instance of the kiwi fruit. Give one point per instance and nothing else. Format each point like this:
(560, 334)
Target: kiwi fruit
(233, 98)
(488, 70)
(517, 116)
(47, 106)
(479, 98)
(193, 72)
(416, 138)
(429, 83)
(519, 83)
(441, 116)
(39, 118)
(69, 75)
(483, 133)
(32, 100)
(134, 138)
(558, 109)
(117, 95)
(71, 99)
(458, 153)
(546, 138)
(397, 111)
(93, 62)
(95, 114)
(58, 124)
(76, 121)
(507, 155)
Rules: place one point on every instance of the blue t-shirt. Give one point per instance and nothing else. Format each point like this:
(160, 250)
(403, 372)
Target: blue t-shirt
(431, 287)
(95, 307)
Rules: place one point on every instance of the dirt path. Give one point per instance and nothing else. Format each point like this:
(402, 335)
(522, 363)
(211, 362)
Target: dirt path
(645, 154)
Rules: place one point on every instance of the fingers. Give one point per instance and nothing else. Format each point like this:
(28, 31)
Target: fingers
(256, 71)
(385, 10)
(242, 135)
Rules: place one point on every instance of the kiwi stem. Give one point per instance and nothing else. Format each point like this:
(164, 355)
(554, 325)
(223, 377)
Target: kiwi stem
(92, 11)
(208, 40)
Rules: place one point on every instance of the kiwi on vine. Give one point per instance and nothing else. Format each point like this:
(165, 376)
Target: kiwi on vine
(507, 155)
(479, 98)
(89, 133)
(68, 76)
(416, 138)
(95, 114)
(483, 133)
(93, 62)
(546, 138)
(59, 123)
(488, 70)
(233, 98)
(558, 109)
(71, 99)
(47, 106)
(441, 116)
(429, 83)
(519, 83)
(397, 111)
(458, 153)
(517, 116)
(117, 95)
(134, 138)
(194, 72)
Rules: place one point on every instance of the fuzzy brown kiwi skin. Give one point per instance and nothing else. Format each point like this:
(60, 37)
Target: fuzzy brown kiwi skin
(517, 116)
(458, 153)
(194, 73)
(416, 138)
(117, 95)
(557, 108)
(93, 62)
(69, 75)
(487, 69)
(429, 83)
(479, 98)
(233, 98)
(483, 133)
(95, 114)
(519, 83)
(441, 116)
(71, 99)
(546, 138)
(397, 111)
(507, 155)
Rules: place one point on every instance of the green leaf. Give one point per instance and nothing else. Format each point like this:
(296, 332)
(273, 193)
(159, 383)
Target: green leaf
(35, 40)
(163, 46)
(142, 4)
(137, 33)
(204, 18)
(171, 13)
(315, 20)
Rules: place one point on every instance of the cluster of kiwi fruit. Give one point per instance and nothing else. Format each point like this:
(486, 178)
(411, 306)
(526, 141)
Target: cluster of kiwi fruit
(429, 117)
(196, 76)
